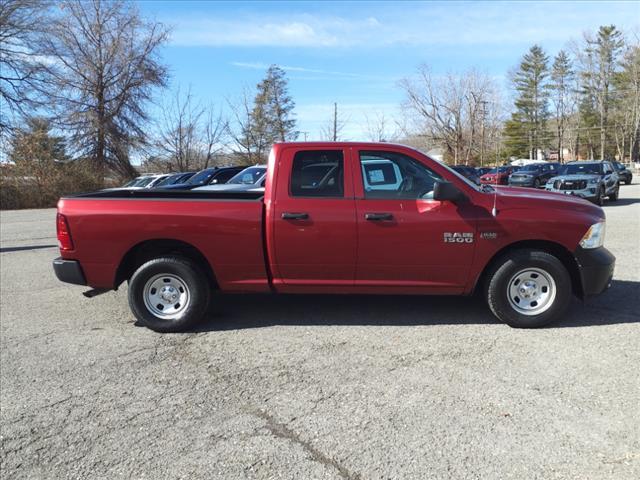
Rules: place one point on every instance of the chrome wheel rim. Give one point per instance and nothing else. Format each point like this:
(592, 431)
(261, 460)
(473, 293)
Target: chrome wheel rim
(166, 296)
(531, 291)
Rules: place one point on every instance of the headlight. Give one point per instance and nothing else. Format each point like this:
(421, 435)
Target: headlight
(593, 181)
(594, 237)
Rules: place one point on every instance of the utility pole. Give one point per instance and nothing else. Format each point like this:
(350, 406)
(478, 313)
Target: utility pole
(335, 122)
(305, 135)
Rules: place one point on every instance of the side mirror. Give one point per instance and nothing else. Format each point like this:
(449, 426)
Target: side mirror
(447, 191)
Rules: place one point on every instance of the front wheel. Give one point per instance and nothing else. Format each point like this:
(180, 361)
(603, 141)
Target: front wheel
(536, 183)
(528, 289)
(169, 294)
(616, 193)
(600, 196)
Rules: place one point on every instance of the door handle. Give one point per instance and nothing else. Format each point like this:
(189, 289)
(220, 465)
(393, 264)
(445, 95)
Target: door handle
(294, 216)
(378, 217)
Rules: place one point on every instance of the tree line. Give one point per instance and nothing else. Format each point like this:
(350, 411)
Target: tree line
(78, 81)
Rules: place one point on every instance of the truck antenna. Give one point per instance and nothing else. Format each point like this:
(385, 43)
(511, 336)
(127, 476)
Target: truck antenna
(494, 210)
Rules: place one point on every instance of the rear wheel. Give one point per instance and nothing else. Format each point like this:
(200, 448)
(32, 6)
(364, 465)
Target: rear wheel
(528, 289)
(169, 294)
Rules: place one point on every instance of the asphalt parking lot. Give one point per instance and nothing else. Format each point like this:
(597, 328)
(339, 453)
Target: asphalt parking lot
(315, 386)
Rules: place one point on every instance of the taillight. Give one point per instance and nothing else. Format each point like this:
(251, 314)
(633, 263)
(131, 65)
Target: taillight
(64, 234)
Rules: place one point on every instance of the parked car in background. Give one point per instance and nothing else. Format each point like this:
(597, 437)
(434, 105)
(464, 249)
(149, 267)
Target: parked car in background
(145, 181)
(534, 175)
(482, 170)
(593, 181)
(249, 179)
(498, 175)
(208, 176)
(623, 172)
(174, 178)
(467, 172)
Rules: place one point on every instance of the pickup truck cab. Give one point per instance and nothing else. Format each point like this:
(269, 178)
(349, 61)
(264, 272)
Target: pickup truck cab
(363, 218)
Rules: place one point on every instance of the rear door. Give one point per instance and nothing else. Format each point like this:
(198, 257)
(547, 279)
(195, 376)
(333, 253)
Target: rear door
(314, 230)
(405, 238)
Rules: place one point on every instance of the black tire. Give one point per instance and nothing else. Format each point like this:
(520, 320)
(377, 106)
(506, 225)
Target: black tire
(536, 183)
(180, 272)
(627, 181)
(509, 267)
(600, 196)
(614, 196)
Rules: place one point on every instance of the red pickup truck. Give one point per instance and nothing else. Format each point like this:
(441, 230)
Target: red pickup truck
(364, 218)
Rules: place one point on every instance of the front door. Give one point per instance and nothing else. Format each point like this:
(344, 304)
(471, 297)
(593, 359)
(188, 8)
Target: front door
(314, 220)
(405, 238)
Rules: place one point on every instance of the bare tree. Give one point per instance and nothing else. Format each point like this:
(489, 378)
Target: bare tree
(21, 68)
(250, 139)
(105, 67)
(453, 110)
(332, 130)
(379, 129)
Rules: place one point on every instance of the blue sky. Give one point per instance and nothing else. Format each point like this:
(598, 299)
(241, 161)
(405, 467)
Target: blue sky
(354, 53)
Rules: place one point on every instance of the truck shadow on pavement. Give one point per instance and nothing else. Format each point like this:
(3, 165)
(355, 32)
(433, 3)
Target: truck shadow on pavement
(620, 304)
(621, 202)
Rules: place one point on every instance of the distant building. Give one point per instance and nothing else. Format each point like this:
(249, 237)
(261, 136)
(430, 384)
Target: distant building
(437, 154)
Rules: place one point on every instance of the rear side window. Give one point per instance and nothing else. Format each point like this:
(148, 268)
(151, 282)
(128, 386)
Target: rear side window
(318, 173)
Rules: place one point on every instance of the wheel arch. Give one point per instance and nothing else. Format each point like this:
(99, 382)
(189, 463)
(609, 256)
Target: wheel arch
(154, 248)
(553, 248)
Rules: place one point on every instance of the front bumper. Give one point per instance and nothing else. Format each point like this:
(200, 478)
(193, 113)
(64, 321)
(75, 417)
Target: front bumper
(69, 271)
(588, 193)
(596, 267)
(521, 183)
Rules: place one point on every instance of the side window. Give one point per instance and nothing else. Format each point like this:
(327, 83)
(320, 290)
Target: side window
(318, 173)
(225, 176)
(394, 175)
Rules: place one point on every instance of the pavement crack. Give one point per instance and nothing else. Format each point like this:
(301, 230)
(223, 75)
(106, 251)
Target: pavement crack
(280, 430)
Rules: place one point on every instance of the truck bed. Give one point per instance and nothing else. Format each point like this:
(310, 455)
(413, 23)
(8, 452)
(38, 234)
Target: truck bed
(225, 227)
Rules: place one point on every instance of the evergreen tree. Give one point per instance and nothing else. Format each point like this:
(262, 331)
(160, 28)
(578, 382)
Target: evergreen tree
(600, 61)
(37, 156)
(273, 108)
(531, 103)
(560, 87)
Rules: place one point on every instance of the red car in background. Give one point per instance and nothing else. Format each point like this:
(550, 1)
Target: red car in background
(498, 175)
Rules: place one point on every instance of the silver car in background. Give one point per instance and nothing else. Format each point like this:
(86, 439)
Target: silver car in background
(591, 180)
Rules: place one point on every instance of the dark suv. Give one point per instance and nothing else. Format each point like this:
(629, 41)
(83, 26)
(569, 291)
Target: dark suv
(534, 175)
(623, 172)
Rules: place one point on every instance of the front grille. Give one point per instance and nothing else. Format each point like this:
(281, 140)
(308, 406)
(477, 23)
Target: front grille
(572, 185)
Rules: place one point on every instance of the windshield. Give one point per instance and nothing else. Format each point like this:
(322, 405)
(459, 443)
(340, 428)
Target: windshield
(167, 180)
(581, 169)
(462, 177)
(248, 176)
(143, 182)
(499, 170)
(201, 177)
(131, 183)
